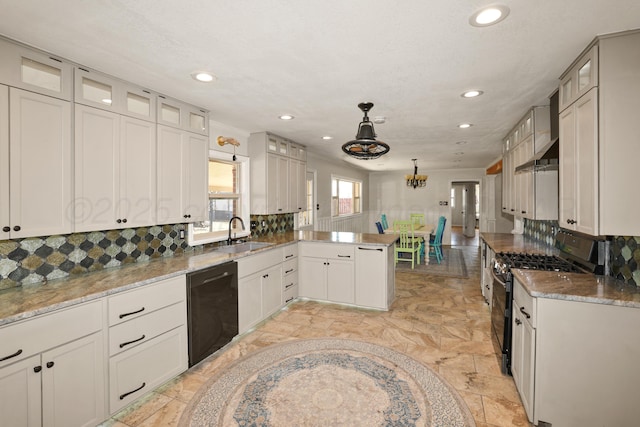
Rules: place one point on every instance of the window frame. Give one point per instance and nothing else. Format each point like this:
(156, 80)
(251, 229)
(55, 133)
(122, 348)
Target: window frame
(353, 198)
(243, 203)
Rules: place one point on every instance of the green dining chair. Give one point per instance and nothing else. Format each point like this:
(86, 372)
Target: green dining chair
(407, 243)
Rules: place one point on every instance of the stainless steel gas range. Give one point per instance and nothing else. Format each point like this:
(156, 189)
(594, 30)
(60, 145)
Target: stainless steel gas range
(576, 254)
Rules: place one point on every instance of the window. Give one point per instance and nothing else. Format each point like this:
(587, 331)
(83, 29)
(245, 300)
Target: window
(345, 197)
(227, 184)
(453, 197)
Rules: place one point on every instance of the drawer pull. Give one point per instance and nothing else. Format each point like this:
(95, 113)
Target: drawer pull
(17, 353)
(131, 342)
(288, 271)
(288, 256)
(289, 285)
(265, 276)
(344, 256)
(289, 300)
(132, 313)
(370, 249)
(522, 310)
(122, 396)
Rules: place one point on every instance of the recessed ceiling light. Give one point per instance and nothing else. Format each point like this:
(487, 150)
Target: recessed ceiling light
(472, 93)
(286, 117)
(465, 125)
(327, 137)
(489, 16)
(203, 76)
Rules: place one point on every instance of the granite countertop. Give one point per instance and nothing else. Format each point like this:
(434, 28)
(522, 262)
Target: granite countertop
(578, 287)
(565, 286)
(34, 299)
(505, 242)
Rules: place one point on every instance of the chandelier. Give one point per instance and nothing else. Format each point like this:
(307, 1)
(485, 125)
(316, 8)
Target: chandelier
(416, 180)
(365, 146)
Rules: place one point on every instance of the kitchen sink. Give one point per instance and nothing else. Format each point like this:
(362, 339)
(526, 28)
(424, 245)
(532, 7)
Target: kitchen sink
(243, 247)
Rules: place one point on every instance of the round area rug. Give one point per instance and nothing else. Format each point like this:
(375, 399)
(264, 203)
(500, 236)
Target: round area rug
(326, 382)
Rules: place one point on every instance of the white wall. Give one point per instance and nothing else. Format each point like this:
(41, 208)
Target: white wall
(217, 129)
(325, 170)
(389, 194)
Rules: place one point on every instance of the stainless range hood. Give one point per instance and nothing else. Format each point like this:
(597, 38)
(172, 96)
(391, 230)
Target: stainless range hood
(546, 159)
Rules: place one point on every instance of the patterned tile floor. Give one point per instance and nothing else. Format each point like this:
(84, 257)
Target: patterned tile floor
(442, 322)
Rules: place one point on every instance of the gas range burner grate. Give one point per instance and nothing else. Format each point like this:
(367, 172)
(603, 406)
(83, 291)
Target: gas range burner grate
(536, 262)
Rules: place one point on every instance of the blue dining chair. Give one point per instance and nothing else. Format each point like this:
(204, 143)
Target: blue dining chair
(379, 226)
(435, 242)
(383, 220)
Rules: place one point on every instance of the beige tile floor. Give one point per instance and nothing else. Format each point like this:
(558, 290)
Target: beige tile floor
(442, 322)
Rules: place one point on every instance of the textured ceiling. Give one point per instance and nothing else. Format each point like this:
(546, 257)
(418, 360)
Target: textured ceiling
(318, 59)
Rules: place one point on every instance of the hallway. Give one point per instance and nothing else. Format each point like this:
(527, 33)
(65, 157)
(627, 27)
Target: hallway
(459, 239)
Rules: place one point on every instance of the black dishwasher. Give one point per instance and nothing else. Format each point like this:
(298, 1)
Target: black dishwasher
(212, 309)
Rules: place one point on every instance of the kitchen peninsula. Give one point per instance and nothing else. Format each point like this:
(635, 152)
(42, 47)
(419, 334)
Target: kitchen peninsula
(110, 324)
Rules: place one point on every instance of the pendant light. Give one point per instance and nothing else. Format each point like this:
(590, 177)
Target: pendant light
(365, 146)
(415, 180)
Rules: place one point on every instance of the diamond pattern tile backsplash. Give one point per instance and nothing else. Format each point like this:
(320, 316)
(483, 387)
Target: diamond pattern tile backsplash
(624, 251)
(541, 231)
(625, 258)
(272, 224)
(38, 259)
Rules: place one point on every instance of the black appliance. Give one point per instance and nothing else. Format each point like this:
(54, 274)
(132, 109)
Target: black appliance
(576, 254)
(212, 309)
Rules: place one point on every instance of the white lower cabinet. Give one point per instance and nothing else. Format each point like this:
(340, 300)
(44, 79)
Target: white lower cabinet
(290, 274)
(139, 370)
(374, 280)
(523, 345)
(147, 339)
(327, 272)
(259, 287)
(575, 363)
(53, 372)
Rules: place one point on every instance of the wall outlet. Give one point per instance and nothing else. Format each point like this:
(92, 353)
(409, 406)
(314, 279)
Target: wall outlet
(181, 233)
(254, 225)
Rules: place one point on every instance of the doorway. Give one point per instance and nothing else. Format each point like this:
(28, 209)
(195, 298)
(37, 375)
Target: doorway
(465, 210)
(307, 218)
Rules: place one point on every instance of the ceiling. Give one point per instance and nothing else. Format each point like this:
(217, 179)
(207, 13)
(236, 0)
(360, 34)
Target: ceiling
(317, 60)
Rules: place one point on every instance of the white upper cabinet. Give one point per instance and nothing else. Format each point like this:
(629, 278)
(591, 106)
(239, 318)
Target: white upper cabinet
(182, 116)
(598, 136)
(278, 174)
(182, 176)
(107, 93)
(582, 76)
(39, 165)
(35, 71)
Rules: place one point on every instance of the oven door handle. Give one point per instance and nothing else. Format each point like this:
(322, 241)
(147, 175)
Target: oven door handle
(497, 279)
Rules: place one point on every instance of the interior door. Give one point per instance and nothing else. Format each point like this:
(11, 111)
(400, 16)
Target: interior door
(469, 208)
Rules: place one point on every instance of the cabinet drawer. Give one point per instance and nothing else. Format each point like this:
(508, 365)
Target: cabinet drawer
(138, 371)
(289, 281)
(327, 250)
(138, 302)
(524, 303)
(290, 266)
(289, 252)
(136, 331)
(290, 294)
(50, 330)
(258, 262)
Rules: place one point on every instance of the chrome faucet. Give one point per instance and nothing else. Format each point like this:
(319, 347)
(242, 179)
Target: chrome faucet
(230, 240)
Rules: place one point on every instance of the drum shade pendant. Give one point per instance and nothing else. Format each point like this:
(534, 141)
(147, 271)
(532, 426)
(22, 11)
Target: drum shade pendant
(415, 180)
(365, 146)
